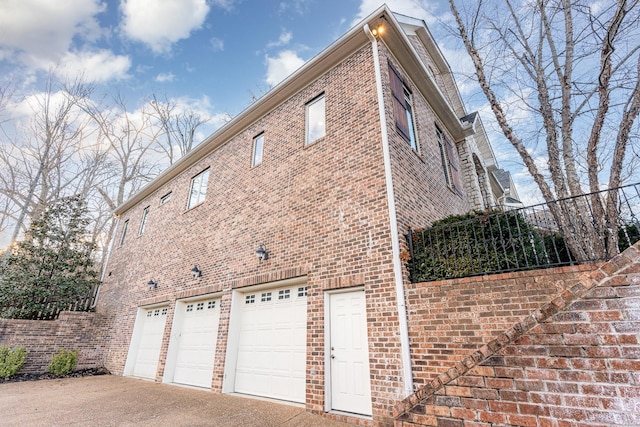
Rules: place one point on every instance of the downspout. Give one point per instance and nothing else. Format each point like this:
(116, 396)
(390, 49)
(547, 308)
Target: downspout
(106, 262)
(407, 373)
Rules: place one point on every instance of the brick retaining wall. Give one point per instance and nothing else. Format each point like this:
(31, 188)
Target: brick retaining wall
(85, 332)
(573, 362)
(450, 318)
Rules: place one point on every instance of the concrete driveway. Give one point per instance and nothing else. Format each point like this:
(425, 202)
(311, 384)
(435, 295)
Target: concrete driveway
(114, 401)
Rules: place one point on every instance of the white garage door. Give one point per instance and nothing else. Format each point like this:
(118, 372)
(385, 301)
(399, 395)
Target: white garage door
(148, 351)
(272, 346)
(197, 343)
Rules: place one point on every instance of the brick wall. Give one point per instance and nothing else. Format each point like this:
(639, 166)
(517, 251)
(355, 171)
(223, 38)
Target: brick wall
(573, 362)
(444, 80)
(321, 211)
(85, 332)
(450, 318)
(419, 182)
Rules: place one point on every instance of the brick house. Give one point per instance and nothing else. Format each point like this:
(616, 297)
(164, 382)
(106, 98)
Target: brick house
(321, 177)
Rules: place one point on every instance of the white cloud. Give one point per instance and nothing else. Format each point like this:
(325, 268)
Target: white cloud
(45, 29)
(217, 45)
(281, 66)
(421, 9)
(165, 77)
(159, 24)
(40, 34)
(93, 66)
(284, 39)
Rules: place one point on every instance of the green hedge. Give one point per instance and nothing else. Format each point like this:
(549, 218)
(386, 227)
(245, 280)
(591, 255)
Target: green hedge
(481, 243)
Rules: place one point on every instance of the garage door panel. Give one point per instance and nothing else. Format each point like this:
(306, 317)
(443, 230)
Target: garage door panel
(272, 345)
(196, 345)
(148, 351)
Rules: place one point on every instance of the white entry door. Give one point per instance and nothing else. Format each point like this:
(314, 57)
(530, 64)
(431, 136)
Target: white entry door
(272, 346)
(197, 343)
(350, 381)
(148, 350)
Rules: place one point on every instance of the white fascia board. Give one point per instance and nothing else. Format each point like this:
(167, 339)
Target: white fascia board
(406, 54)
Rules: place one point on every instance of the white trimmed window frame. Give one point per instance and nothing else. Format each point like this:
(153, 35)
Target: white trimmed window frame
(143, 223)
(198, 189)
(258, 149)
(315, 119)
(123, 234)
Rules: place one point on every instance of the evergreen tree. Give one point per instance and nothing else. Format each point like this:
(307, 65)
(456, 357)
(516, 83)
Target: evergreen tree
(52, 268)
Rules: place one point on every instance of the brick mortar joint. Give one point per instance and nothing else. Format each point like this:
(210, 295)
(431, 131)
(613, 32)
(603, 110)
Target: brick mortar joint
(558, 303)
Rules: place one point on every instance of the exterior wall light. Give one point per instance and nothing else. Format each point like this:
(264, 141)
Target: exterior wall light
(152, 284)
(262, 253)
(196, 272)
(377, 31)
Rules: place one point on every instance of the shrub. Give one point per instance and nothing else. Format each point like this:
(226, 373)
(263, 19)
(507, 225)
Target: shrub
(64, 362)
(11, 360)
(481, 243)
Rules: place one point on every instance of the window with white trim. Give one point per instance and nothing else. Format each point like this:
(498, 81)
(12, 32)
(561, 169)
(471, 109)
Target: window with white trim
(125, 225)
(143, 223)
(258, 148)
(164, 199)
(315, 120)
(449, 160)
(198, 189)
(403, 108)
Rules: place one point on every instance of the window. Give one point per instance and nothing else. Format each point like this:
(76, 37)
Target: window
(198, 188)
(164, 199)
(284, 294)
(449, 159)
(403, 108)
(315, 119)
(143, 223)
(124, 232)
(258, 147)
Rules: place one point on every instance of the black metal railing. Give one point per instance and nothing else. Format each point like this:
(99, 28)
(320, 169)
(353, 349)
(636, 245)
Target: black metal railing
(588, 228)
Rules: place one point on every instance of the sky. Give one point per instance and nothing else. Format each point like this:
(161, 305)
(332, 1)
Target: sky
(217, 55)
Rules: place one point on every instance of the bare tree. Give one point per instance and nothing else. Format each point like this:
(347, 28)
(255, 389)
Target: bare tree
(571, 67)
(178, 126)
(39, 166)
(127, 139)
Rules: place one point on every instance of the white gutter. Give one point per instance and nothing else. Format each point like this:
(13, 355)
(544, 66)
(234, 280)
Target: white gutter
(395, 241)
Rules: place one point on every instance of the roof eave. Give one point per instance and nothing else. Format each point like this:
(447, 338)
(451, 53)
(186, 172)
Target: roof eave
(306, 74)
(404, 52)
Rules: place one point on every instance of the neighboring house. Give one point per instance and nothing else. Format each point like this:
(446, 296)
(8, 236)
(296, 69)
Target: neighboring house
(322, 177)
